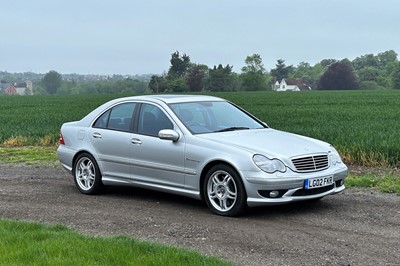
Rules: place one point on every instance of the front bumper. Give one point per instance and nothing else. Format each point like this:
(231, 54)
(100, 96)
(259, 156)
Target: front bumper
(289, 187)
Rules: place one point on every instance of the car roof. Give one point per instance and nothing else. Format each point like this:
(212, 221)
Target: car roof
(172, 98)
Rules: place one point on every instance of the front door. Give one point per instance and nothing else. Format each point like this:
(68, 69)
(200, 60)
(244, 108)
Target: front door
(155, 161)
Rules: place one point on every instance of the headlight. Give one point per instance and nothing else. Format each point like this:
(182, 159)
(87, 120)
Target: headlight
(335, 157)
(268, 165)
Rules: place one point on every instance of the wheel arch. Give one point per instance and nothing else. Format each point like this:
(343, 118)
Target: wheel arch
(82, 152)
(210, 165)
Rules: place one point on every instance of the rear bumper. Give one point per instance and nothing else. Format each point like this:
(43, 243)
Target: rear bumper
(66, 156)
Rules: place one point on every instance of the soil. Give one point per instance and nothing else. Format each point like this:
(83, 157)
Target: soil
(355, 227)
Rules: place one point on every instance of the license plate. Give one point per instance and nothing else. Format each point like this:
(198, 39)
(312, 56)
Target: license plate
(318, 182)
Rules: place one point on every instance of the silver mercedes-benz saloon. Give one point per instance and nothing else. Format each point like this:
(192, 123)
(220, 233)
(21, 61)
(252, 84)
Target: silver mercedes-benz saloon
(197, 146)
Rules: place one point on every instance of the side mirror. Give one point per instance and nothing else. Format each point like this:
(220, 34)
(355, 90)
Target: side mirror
(168, 134)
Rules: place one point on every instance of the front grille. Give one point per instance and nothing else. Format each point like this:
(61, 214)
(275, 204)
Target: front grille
(315, 191)
(311, 163)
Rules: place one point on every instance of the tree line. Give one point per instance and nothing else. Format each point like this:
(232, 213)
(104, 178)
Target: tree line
(381, 71)
(53, 83)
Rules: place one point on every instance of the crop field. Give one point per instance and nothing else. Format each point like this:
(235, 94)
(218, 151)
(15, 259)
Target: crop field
(363, 125)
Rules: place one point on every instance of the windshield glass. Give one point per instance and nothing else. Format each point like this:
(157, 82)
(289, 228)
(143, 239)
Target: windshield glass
(208, 117)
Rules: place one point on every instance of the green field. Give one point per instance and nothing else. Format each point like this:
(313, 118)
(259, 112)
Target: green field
(363, 125)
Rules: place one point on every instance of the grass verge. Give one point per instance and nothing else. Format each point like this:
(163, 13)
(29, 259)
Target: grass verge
(29, 155)
(385, 179)
(24, 243)
(386, 183)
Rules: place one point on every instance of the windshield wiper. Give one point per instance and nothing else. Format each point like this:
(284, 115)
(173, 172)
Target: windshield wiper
(231, 129)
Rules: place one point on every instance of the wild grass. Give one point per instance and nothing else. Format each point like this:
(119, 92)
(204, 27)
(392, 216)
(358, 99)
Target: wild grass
(24, 243)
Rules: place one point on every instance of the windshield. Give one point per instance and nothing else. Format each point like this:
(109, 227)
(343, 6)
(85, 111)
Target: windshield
(208, 117)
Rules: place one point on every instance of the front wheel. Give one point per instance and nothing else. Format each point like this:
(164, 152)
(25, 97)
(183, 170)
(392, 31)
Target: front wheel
(224, 192)
(87, 174)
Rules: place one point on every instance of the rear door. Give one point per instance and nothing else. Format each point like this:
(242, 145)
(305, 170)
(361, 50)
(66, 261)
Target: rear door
(111, 136)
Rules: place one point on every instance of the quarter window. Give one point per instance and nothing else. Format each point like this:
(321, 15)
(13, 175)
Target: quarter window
(102, 121)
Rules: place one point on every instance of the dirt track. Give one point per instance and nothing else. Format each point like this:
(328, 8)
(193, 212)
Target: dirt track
(357, 227)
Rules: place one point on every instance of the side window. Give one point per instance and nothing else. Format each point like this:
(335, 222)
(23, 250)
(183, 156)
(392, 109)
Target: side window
(152, 119)
(117, 118)
(195, 116)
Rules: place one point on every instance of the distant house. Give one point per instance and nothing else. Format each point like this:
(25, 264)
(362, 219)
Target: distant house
(7, 88)
(20, 88)
(291, 85)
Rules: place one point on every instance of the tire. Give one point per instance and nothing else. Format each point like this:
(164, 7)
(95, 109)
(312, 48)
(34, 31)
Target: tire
(224, 192)
(87, 175)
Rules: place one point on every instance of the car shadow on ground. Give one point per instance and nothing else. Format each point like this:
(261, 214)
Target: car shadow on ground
(294, 208)
(193, 205)
(145, 195)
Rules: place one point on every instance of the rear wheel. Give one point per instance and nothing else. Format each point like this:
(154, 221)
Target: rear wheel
(87, 174)
(224, 191)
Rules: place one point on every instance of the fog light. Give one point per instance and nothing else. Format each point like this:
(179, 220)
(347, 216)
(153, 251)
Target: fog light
(342, 182)
(274, 194)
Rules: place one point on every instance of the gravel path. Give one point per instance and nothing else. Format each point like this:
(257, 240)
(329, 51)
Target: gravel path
(356, 227)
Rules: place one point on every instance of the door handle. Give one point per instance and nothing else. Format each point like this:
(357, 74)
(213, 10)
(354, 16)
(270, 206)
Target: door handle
(96, 135)
(136, 141)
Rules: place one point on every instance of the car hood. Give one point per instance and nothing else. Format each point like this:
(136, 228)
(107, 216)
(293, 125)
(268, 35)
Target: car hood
(269, 142)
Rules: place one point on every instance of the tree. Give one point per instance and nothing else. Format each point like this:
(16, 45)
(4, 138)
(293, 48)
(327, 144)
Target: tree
(176, 77)
(396, 77)
(157, 84)
(52, 81)
(387, 62)
(386, 58)
(303, 69)
(177, 85)
(369, 74)
(327, 62)
(310, 74)
(128, 85)
(281, 71)
(221, 78)
(376, 69)
(253, 74)
(368, 60)
(195, 77)
(338, 76)
(179, 65)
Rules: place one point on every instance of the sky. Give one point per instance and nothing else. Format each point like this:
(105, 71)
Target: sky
(138, 37)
